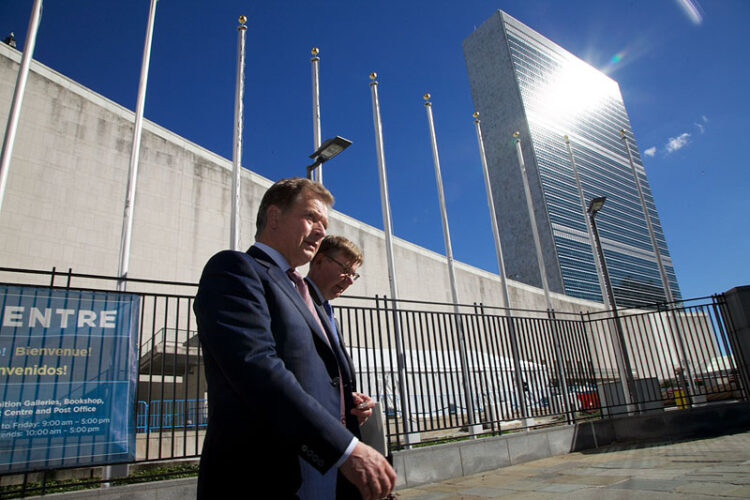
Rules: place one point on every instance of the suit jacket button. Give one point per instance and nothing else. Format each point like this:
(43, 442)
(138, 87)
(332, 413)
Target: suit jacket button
(335, 381)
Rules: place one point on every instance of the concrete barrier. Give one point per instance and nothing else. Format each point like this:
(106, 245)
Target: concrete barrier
(430, 464)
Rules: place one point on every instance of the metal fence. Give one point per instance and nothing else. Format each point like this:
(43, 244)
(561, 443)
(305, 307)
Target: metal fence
(443, 371)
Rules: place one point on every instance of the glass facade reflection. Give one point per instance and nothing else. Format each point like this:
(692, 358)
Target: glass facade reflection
(521, 79)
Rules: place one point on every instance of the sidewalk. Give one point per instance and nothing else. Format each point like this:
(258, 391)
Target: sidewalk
(700, 469)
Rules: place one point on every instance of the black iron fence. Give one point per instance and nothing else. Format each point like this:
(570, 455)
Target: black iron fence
(442, 371)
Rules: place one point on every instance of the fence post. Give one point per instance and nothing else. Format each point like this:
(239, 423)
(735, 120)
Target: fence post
(472, 427)
(736, 315)
(603, 402)
(520, 393)
(561, 378)
(680, 344)
(401, 367)
(489, 409)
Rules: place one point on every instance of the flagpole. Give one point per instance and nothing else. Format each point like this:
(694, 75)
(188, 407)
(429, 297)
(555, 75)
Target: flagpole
(314, 61)
(618, 336)
(501, 271)
(468, 393)
(239, 90)
(18, 94)
(649, 224)
(584, 208)
(386, 209)
(542, 270)
(493, 215)
(127, 223)
(659, 261)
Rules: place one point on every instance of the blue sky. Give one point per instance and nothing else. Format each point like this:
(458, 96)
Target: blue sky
(683, 75)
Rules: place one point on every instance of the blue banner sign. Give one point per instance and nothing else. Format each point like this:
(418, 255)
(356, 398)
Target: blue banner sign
(68, 371)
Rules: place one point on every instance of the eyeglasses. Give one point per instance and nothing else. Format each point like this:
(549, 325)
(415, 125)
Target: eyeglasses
(344, 270)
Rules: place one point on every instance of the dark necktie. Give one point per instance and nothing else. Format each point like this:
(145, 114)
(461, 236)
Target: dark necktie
(331, 319)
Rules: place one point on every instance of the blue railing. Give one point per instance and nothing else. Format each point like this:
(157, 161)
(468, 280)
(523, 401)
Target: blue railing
(163, 414)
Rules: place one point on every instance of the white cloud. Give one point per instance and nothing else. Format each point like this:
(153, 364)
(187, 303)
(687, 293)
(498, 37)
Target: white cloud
(701, 126)
(679, 142)
(650, 151)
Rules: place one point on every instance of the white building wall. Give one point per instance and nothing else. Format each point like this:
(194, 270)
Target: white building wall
(64, 202)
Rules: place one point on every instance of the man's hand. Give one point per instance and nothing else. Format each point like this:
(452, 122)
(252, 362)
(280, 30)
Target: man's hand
(363, 405)
(369, 471)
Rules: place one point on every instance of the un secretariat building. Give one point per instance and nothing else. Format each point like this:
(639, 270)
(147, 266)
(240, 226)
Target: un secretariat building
(521, 81)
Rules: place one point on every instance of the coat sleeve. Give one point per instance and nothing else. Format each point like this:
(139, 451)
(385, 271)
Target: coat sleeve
(234, 324)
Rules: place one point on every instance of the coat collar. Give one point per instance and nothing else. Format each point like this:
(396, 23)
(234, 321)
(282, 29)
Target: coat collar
(279, 276)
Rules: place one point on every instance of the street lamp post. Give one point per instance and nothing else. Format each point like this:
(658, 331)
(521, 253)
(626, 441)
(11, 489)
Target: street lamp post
(621, 353)
(326, 151)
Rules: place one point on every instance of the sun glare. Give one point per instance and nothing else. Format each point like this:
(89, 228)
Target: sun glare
(576, 89)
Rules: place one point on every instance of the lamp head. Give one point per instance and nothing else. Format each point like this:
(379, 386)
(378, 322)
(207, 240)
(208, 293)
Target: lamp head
(596, 204)
(330, 148)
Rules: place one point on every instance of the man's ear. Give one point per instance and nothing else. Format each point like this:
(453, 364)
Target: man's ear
(273, 215)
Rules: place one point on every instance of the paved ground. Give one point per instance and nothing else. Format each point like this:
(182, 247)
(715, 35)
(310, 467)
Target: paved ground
(700, 469)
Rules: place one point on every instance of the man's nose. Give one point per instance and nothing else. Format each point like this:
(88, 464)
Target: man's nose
(319, 229)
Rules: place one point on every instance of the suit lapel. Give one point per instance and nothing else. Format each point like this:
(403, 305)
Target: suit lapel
(341, 355)
(279, 276)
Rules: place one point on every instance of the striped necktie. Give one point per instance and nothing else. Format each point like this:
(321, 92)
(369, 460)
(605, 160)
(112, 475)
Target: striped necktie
(301, 286)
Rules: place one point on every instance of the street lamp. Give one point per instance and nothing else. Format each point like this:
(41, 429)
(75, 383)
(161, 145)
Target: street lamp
(623, 360)
(326, 151)
(596, 204)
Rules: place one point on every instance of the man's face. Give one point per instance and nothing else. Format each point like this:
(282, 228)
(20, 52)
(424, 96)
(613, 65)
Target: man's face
(330, 273)
(298, 231)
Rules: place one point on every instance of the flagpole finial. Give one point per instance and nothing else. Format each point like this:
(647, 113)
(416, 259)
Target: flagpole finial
(314, 51)
(565, 137)
(242, 20)
(373, 75)
(622, 132)
(426, 98)
(475, 114)
(516, 134)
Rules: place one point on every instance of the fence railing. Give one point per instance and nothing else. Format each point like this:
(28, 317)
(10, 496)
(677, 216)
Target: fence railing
(451, 371)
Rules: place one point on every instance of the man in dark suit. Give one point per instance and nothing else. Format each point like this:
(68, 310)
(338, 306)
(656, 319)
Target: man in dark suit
(332, 271)
(276, 401)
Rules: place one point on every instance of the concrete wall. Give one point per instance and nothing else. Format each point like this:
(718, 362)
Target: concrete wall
(66, 188)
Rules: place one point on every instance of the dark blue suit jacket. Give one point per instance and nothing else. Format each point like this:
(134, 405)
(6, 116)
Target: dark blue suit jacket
(273, 395)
